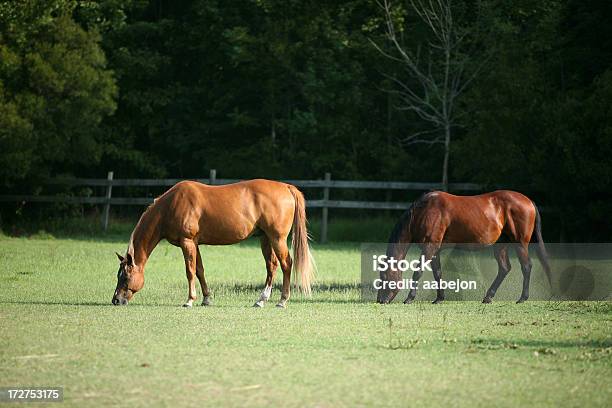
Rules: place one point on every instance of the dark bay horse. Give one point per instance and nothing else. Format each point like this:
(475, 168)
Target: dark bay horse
(191, 213)
(503, 217)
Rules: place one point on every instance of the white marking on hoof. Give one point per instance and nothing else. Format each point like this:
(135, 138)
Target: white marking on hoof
(259, 303)
(206, 301)
(189, 303)
(281, 305)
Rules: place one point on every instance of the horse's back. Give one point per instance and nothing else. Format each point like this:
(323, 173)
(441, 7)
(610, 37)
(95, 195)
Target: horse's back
(228, 195)
(480, 204)
(224, 214)
(473, 219)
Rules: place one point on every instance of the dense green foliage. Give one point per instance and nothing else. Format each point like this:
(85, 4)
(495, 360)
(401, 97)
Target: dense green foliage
(294, 88)
(55, 90)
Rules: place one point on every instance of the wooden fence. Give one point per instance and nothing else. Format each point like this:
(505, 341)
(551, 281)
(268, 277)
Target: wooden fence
(324, 202)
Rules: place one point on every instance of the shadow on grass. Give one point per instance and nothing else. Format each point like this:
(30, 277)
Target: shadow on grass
(223, 291)
(340, 287)
(51, 302)
(324, 292)
(592, 343)
(176, 304)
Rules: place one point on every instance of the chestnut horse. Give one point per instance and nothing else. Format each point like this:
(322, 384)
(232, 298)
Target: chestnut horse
(190, 214)
(503, 217)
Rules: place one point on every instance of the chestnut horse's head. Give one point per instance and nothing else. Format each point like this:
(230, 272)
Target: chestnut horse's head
(385, 294)
(130, 280)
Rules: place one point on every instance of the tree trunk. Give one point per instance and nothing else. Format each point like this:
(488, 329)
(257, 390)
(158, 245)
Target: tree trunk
(389, 107)
(447, 137)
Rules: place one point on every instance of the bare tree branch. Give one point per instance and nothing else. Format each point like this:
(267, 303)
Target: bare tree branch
(438, 140)
(432, 88)
(415, 137)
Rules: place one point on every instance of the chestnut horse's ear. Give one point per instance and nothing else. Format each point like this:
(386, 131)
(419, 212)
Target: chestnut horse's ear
(121, 259)
(129, 259)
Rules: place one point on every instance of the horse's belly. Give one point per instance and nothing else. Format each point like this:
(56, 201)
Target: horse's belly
(467, 234)
(225, 233)
(220, 240)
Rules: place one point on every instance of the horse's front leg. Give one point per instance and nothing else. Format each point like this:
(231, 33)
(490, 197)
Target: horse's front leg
(504, 266)
(428, 255)
(190, 250)
(413, 289)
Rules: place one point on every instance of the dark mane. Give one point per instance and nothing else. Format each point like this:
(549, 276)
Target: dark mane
(406, 218)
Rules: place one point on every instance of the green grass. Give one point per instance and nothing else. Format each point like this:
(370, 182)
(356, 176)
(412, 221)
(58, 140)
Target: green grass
(57, 328)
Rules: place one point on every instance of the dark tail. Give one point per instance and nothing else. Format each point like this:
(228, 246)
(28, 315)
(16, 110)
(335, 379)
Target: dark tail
(541, 249)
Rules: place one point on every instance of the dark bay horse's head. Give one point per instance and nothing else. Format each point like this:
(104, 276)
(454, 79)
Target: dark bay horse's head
(130, 280)
(385, 294)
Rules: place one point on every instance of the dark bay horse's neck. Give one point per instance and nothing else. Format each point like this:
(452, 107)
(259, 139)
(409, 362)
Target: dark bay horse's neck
(145, 237)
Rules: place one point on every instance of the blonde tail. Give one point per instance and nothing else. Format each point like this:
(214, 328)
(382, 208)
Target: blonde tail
(303, 262)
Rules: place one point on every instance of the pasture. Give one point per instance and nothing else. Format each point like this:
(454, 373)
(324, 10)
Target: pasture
(58, 328)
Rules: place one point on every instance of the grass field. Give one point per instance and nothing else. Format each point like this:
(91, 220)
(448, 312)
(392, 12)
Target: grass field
(57, 328)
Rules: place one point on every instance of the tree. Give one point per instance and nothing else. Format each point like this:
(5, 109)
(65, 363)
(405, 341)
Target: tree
(55, 90)
(433, 84)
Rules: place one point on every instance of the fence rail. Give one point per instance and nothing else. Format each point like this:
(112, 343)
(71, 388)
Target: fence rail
(324, 203)
(372, 185)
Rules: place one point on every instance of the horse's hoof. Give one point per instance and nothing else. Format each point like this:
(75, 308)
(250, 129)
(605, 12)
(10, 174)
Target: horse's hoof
(487, 300)
(206, 302)
(259, 303)
(408, 301)
(437, 301)
(187, 305)
(281, 305)
(521, 300)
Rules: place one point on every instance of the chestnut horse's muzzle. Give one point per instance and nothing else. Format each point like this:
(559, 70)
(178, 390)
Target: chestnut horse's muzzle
(117, 301)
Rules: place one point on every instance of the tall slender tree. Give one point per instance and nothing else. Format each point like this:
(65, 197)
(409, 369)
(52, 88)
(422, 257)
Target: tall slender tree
(436, 73)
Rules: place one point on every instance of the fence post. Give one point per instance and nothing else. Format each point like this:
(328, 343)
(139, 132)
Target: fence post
(325, 209)
(212, 179)
(109, 192)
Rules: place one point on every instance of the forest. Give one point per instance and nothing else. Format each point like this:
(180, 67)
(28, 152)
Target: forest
(296, 88)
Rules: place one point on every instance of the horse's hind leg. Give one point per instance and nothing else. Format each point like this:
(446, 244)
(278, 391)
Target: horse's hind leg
(522, 250)
(190, 254)
(279, 245)
(501, 254)
(202, 279)
(271, 267)
(436, 267)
